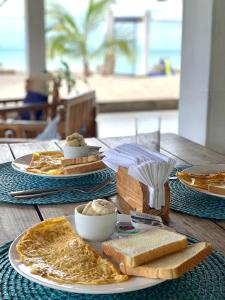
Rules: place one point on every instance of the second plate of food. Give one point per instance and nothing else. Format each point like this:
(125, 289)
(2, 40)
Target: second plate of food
(207, 179)
(51, 166)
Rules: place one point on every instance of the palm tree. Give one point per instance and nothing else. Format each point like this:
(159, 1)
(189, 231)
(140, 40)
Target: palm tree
(67, 38)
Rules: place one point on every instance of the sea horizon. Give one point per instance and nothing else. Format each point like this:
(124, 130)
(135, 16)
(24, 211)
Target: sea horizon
(165, 42)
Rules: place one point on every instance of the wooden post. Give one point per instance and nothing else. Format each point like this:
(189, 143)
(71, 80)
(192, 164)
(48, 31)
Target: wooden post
(110, 25)
(147, 20)
(202, 105)
(35, 37)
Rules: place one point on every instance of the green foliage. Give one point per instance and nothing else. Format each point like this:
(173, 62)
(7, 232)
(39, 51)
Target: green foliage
(64, 74)
(68, 38)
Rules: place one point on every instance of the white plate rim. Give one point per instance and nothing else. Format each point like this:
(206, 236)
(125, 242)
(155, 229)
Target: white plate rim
(15, 166)
(78, 288)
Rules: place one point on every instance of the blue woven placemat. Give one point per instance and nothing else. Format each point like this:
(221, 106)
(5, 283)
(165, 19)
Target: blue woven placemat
(11, 180)
(204, 282)
(195, 203)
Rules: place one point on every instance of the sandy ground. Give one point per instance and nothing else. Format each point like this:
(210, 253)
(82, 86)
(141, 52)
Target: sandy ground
(108, 88)
(113, 89)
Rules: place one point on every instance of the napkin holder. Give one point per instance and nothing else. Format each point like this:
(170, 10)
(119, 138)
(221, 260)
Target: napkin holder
(134, 195)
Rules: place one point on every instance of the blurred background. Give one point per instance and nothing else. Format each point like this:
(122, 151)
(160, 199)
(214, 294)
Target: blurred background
(129, 52)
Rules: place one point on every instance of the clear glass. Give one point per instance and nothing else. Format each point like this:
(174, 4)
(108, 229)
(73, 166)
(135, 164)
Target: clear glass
(147, 132)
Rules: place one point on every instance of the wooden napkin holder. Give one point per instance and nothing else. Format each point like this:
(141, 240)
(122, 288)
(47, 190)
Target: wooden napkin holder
(134, 195)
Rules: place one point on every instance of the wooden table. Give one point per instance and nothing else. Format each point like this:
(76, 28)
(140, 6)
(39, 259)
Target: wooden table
(15, 218)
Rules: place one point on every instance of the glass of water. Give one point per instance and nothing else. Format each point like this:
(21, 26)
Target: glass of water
(147, 132)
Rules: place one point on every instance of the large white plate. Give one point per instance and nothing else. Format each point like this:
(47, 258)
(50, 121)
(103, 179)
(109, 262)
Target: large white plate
(134, 283)
(21, 163)
(201, 170)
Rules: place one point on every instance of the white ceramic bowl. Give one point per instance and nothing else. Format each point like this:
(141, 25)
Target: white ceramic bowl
(94, 228)
(71, 151)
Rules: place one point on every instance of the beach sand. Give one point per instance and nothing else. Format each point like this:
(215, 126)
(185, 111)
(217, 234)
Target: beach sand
(108, 88)
(113, 89)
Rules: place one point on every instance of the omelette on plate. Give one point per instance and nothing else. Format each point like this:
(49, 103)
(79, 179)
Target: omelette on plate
(49, 162)
(54, 251)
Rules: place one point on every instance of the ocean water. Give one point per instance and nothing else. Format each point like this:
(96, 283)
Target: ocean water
(164, 42)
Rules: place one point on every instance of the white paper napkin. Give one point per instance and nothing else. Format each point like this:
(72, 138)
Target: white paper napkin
(149, 167)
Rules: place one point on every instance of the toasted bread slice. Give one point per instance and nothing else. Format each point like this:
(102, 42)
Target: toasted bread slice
(144, 247)
(217, 189)
(173, 265)
(83, 168)
(201, 182)
(203, 173)
(80, 160)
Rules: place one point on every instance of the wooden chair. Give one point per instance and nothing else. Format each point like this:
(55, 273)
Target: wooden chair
(12, 126)
(77, 114)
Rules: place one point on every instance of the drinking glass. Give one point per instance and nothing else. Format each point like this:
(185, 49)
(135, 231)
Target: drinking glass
(147, 132)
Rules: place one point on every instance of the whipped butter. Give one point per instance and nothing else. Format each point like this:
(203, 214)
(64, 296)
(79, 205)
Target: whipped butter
(99, 207)
(75, 140)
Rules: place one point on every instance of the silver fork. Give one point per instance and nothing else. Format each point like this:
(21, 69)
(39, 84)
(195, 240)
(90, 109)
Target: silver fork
(29, 194)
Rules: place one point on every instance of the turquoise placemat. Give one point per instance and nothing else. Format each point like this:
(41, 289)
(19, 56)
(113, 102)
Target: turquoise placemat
(195, 203)
(204, 282)
(11, 180)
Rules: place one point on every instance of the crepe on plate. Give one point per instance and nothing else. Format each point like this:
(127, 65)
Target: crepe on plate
(54, 163)
(55, 251)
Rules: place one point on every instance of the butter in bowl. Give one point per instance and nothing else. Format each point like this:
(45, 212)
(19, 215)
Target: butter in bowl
(96, 220)
(75, 146)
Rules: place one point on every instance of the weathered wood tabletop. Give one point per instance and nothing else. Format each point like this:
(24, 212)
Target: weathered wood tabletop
(15, 218)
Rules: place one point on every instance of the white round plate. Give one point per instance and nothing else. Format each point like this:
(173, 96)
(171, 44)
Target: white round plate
(201, 170)
(134, 283)
(21, 164)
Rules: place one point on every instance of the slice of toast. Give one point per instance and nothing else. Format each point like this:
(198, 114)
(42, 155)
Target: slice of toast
(172, 265)
(206, 172)
(144, 247)
(80, 160)
(217, 189)
(83, 168)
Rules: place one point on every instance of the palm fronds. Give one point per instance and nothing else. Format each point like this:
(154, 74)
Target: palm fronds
(95, 13)
(67, 38)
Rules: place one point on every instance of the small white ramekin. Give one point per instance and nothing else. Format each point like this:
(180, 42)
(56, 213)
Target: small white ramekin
(94, 228)
(71, 152)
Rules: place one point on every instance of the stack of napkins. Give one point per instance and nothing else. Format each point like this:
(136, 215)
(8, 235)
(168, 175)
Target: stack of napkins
(146, 166)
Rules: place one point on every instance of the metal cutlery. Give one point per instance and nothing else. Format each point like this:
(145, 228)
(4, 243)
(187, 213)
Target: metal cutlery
(28, 194)
(173, 178)
(94, 147)
(38, 191)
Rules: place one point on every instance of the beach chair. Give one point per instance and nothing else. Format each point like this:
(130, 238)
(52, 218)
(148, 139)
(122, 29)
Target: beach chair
(76, 114)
